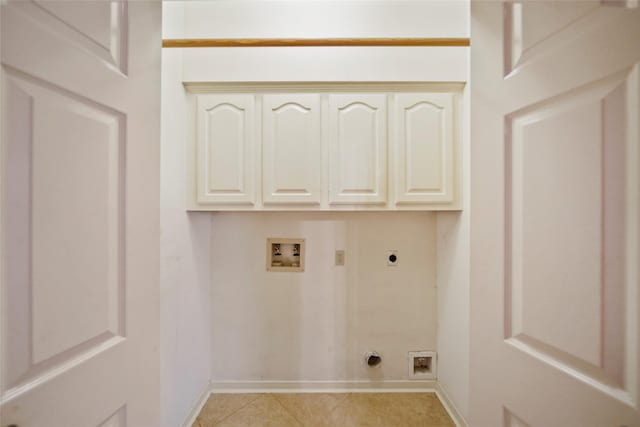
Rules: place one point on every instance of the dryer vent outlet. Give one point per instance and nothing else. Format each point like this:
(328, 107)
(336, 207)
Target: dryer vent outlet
(373, 359)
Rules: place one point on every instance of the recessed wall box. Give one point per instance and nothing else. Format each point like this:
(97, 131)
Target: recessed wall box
(422, 365)
(285, 254)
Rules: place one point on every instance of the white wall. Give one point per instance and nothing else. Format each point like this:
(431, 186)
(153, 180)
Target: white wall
(185, 279)
(317, 325)
(453, 249)
(325, 19)
(325, 64)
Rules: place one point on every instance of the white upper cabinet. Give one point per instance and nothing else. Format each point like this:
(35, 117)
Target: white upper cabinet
(225, 149)
(291, 149)
(326, 148)
(424, 148)
(358, 149)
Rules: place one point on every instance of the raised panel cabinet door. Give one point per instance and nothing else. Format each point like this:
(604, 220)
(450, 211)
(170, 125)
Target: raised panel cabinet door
(424, 148)
(225, 167)
(358, 149)
(292, 149)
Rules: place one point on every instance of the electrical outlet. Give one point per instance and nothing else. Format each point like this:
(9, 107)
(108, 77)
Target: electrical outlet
(340, 257)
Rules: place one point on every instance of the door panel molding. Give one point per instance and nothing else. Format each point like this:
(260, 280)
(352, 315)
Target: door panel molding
(608, 101)
(510, 420)
(45, 345)
(117, 419)
(110, 47)
(525, 42)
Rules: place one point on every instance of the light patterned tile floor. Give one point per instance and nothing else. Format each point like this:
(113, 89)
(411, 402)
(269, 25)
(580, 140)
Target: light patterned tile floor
(324, 410)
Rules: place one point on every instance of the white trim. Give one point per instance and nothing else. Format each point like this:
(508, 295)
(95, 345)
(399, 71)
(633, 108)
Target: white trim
(451, 409)
(197, 407)
(209, 207)
(365, 386)
(322, 87)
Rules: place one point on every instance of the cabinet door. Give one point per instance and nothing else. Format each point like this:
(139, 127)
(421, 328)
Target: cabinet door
(292, 150)
(424, 148)
(358, 147)
(225, 152)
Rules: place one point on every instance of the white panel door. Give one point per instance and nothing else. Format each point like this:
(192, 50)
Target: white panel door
(79, 213)
(291, 149)
(424, 148)
(358, 148)
(226, 149)
(555, 186)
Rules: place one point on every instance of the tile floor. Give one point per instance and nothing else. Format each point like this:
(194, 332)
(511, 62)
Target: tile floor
(324, 410)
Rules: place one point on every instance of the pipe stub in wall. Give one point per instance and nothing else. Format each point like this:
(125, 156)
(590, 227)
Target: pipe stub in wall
(372, 358)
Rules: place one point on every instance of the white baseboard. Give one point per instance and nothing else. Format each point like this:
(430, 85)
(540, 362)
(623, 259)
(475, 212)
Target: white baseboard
(322, 386)
(455, 415)
(193, 414)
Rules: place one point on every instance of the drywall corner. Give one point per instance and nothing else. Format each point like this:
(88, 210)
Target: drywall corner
(453, 280)
(184, 251)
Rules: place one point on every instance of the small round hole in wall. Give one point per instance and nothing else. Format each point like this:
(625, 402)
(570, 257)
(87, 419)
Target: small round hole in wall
(392, 257)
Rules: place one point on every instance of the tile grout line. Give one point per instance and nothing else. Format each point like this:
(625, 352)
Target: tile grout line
(257, 396)
(343, 400)
(275, 397)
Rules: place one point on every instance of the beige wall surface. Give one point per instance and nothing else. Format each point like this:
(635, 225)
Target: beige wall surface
(318, 324)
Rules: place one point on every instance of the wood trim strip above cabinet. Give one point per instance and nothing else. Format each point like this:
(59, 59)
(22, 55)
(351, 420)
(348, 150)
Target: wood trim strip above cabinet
(333, 42)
